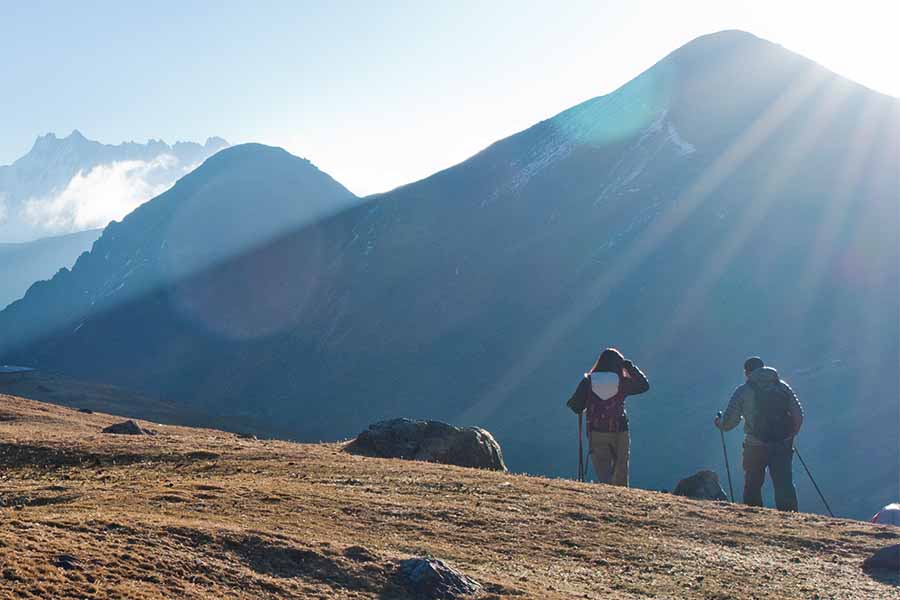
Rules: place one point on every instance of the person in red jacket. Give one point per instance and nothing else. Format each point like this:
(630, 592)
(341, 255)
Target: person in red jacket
(602, 394)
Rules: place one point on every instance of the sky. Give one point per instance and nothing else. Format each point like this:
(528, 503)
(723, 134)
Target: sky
(377, 94)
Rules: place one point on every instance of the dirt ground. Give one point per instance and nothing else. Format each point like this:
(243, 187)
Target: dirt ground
(197, 513)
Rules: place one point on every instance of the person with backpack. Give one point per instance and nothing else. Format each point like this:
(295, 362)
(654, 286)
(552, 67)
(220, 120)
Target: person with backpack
(772, 417)
(602, 392)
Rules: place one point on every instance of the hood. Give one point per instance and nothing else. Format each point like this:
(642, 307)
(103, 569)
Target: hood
(764, 376)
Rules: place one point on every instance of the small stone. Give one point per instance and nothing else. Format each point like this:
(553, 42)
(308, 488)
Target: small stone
(359, 554)
(66, 562)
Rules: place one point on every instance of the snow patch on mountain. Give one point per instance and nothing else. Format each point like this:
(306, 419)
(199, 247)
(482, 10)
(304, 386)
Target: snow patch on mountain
(578, 129)
(70, 184)
(659, 136)
(549, 151)
(685, 146)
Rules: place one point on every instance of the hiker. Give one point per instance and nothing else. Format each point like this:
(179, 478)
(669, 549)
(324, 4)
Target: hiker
(772, 417)
(602, 392)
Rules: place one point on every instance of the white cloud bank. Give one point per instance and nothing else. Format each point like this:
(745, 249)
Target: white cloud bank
(102, 194)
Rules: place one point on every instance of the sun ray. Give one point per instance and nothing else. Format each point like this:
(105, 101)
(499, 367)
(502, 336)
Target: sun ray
(683, 207)
(721, 258)
(823, 248)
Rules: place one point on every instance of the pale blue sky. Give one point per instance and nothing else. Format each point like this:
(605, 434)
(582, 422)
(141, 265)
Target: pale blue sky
(375, 93)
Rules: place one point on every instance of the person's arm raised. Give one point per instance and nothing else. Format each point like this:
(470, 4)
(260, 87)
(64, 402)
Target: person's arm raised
(634, 379)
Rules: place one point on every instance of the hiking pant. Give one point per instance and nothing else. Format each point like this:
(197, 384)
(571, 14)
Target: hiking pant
(777, 457)
(609, 453)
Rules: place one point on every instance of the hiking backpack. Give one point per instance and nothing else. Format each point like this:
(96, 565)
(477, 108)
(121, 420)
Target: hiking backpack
(773, 405)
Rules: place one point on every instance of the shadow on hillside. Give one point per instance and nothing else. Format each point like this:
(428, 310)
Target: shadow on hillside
(21, 455)
(284, 561)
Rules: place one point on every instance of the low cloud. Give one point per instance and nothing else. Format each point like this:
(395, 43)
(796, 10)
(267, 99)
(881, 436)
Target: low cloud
(4, 211)
(102, 194)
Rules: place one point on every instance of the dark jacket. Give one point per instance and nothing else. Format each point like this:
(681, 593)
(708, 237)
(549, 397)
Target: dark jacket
(743, 399)
(609, 415)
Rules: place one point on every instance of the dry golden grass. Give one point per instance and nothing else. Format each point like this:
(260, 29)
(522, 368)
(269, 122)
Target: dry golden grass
(196, 513)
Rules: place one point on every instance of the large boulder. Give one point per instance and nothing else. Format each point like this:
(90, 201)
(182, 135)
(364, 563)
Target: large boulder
(886, 559)
(434, 579)
(128, 427)
(431, 441)
(702, 485)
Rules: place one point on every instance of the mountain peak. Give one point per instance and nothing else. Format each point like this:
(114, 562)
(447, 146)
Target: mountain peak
(43, 141)
(217, 143)
(727, 35)
(714, 47)
(254, 156)
(250, 149)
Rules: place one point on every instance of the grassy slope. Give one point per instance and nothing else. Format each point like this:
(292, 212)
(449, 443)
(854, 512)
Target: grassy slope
(195, 513)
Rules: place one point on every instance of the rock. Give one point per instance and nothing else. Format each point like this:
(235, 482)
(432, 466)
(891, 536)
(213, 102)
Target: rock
(128, 427)
(86, 411)
(433, 578)
(66, 562)
(703, 485)
(431, 441)
(360, 554)
(886, 558)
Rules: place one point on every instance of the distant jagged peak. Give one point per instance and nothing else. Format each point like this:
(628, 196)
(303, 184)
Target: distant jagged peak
(50, 142)
(216, 142)
(72, 183)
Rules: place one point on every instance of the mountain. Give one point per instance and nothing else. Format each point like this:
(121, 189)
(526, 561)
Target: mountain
(199, 513)
(238, 199)
(69, 184)
(23, 263)
(735, 199)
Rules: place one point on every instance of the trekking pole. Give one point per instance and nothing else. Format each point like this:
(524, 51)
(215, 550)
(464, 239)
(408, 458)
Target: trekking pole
(580, 452)
(587, 464)
(815, 485)
(725, 452)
